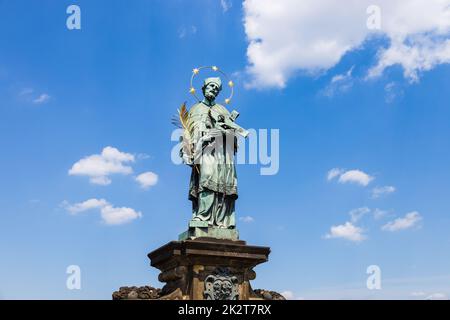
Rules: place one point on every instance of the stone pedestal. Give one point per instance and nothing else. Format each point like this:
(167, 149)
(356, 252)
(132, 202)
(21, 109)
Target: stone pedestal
(208, 268)
(201, 229)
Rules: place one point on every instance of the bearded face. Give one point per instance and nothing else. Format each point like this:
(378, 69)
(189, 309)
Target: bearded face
(211, 91)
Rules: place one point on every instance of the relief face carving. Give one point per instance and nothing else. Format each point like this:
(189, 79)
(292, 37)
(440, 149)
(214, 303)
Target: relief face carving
(221, 285)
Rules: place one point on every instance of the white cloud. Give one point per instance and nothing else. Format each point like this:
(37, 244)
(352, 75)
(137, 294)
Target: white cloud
(247, 219)
(289, 295)
(349, 230)
(339, 83)
(346, 231)
(415, 54)
(408, 221)
(27, 94)
(98, 167)
(357, 214)
(381, 191)
(147, 179)
(115, 216)
(110, 215)
(333, 173)
(288, 36)
(350, 176)
(355, 176)
(42, 98)
(86, 205)
(226, 5)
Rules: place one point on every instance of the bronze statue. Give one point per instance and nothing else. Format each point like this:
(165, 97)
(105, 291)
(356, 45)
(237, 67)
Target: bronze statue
(209, 146)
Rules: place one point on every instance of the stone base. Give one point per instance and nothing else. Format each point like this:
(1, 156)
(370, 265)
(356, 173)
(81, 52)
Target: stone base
(208, 269)
(200, 229)
(223, 234)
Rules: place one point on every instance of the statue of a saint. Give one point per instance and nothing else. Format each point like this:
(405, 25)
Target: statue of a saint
(210, 151)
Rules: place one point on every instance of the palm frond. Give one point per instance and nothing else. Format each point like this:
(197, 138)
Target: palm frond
(183, 116)
(175, 120)
(184, 122)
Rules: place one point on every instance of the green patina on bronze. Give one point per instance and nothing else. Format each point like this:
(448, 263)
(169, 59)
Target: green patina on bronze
(209, 148)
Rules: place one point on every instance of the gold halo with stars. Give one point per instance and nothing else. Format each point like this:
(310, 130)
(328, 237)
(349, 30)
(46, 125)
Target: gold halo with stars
(196, 71)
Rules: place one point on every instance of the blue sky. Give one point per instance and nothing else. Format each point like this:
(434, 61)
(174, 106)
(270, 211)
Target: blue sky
(67, 94)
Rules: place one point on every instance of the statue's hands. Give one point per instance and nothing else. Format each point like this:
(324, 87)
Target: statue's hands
(212, 133)
(201, 147)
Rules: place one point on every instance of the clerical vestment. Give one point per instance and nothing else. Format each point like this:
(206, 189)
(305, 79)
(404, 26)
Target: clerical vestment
(213, 184)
